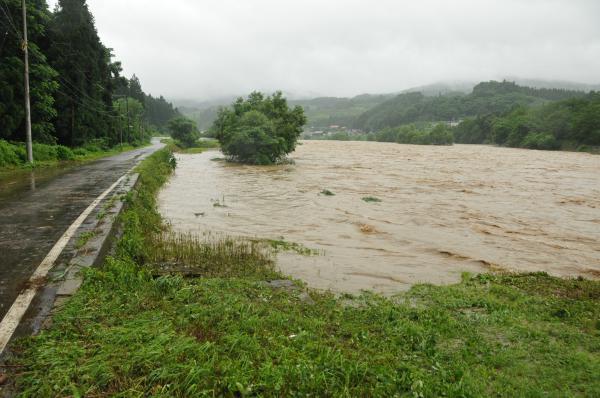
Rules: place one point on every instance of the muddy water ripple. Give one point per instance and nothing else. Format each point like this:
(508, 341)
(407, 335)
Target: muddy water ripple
(443, 210)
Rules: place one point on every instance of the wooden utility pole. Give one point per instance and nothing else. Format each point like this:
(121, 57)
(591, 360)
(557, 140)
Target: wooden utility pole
(27, 100)
(127, 105)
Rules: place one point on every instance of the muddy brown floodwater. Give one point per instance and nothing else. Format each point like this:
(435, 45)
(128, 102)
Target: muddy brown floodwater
(443, 211)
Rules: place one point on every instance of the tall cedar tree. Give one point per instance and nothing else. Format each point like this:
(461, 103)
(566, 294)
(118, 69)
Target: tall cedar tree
(158, 111)
(43, 78)
(87, 76)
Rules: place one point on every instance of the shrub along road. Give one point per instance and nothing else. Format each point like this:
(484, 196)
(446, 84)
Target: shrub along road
(34, 216)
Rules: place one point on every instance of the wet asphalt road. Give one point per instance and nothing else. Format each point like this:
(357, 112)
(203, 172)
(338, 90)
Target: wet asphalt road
(35, 214)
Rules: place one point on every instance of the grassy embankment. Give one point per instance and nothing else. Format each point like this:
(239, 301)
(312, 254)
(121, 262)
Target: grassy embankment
(224, 332)
(13, 156)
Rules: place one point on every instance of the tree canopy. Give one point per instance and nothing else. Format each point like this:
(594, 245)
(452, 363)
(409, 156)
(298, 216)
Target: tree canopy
(259, 129)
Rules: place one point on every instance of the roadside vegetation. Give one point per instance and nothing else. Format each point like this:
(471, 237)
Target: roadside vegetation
(141, 325)
(13, 155)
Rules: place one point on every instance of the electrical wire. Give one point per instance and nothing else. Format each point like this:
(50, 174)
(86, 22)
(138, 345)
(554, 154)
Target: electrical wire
(77, 92)
(3, 41)
(6, 12)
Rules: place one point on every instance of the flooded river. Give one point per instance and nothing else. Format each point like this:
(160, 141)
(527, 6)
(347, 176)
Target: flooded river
(443, 211)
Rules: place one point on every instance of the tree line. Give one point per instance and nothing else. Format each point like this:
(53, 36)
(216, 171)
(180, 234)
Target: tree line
(572, 124)
(78, 93)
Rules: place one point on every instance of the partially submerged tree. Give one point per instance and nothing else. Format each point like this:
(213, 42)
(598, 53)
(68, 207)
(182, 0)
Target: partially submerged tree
(184, 130)
(259, 130)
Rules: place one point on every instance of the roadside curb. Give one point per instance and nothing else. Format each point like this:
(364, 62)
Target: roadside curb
(96, 236)
(101, 228)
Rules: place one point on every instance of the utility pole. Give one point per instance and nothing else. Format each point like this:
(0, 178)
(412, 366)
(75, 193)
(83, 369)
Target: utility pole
(27, 101)
(128, 121)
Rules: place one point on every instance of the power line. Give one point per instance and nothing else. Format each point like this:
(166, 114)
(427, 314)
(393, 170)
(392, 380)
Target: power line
(6, 10)
(83, 96)
(3, 41)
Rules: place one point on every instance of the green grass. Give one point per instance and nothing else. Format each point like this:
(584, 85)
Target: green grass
(131, 333)
(13, 165)
(223, 257)
(84, 238)
(327, 192)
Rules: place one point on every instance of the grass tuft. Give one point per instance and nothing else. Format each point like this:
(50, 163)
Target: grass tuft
(221, 257)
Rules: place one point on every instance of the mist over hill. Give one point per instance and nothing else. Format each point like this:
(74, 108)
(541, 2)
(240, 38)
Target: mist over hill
(375, 111)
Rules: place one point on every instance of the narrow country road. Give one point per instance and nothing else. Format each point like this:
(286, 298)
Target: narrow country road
(36, 214)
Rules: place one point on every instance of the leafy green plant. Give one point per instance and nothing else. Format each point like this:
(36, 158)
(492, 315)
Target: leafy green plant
(64, 153)
(84, 238)
(9, 155)
(259, 130)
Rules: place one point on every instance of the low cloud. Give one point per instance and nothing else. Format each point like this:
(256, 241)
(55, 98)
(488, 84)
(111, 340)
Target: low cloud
(206, 49)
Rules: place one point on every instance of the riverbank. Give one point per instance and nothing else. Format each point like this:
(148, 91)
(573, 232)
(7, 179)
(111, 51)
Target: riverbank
(138, 328)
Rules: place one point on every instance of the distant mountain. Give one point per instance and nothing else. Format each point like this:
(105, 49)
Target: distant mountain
(486, 98)
(560, 84)
(327, 111)
(442, 88)
(438, 101)
(321, 112)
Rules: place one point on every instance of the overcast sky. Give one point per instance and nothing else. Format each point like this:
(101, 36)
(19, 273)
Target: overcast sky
(201, 49)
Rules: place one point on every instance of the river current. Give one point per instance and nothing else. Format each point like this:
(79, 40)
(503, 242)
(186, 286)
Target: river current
(443, 211)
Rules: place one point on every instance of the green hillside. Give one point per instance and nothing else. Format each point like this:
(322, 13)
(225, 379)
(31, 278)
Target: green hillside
(487, 98)
(327, 111)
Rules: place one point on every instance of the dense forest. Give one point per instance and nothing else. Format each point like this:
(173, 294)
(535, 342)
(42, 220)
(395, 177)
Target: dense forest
(77, 92)
(572, 124)
(486, 98)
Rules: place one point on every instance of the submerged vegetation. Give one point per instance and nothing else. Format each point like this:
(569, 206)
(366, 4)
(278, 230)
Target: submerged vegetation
(143, 326)
(285, 246)
(371, 199)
